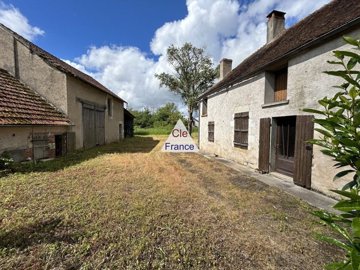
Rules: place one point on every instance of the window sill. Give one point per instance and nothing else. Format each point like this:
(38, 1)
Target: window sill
(274, 104)
(204, 115)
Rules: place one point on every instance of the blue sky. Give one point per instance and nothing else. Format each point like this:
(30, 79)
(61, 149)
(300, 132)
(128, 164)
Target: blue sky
(122, 43)
(71, 26)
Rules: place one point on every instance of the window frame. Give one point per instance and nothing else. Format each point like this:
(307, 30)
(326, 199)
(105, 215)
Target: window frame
(204, 109)
(110, 106)
(211, 133)
(244, 116)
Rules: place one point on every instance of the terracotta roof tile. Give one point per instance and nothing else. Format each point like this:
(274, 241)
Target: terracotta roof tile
(338, 14)
(19, 105)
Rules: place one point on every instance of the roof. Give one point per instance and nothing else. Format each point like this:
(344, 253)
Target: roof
(19, 105)
(128, 113)
(61, 65)
(326, 22)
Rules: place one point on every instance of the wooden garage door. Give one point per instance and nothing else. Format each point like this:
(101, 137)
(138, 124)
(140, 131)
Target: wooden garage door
(93, 126)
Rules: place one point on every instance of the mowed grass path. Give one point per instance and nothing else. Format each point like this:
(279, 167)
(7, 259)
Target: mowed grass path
(130, 206)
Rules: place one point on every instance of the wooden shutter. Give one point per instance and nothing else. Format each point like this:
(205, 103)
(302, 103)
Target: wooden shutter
(303, 150)
(264, 145)
(280, 91)
(211, 131)
(241, 130)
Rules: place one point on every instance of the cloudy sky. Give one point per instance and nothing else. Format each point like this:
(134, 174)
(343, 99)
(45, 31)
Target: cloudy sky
(123, 43)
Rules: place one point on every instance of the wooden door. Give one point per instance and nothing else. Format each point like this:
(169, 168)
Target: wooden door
(100, 127)
(264, 145)
(285, 145)
(93, 125)
(89, 134)
(303, 150)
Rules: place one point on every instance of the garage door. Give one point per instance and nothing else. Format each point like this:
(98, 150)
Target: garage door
(93, 125)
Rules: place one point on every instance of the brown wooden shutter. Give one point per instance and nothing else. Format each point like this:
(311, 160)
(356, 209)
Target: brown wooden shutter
(280, 91)
(264, 145)
(303, 150)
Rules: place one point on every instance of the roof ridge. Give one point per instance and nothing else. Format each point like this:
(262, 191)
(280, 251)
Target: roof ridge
(61, 65)
(259, 59)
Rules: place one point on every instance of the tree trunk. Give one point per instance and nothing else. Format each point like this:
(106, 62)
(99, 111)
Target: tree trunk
(190, 121)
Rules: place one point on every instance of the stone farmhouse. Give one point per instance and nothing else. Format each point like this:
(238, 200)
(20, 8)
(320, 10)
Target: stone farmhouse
(254, 114)
(49, 108)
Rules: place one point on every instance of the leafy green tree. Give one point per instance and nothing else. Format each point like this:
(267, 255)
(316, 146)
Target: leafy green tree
(166, 115)
(143, 119)
(194, 73)
(339, 126)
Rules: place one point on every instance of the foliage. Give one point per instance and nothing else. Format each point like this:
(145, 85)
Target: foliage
(143, 118)
(167, 115)
(194, 74)
(164, 117)
(6, 162)
(339, 123)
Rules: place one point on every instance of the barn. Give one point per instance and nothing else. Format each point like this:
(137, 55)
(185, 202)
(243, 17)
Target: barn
(94, 114)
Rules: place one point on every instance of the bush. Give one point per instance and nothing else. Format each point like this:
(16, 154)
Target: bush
(340, 139)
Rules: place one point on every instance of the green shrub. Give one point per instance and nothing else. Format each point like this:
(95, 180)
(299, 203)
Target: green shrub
(340, 139)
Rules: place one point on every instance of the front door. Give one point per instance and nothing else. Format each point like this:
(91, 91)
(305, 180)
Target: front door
(285, 145)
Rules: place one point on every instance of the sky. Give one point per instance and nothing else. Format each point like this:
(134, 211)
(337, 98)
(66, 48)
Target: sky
(122, 43)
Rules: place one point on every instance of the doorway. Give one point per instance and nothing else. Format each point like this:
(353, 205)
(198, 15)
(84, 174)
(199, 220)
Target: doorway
(285, 145)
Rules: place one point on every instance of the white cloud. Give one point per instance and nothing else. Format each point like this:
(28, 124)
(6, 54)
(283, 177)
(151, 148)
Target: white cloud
(128, 72)
(225, 28)
(16, 21)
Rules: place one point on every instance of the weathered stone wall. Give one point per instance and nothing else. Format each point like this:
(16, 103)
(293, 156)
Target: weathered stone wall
(306, 84)
(17, 141)
(78, 89)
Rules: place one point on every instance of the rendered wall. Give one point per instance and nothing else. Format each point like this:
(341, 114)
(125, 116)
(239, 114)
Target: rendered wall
(78, 89)
(17, 140)
(306, 84)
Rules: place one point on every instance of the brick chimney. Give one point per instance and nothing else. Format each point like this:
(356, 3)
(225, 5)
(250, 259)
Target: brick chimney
(275, 24)
(225, 67)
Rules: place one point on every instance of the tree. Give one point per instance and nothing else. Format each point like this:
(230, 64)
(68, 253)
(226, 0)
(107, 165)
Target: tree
(143, 118)
(339, 123)
(194, 73)
(166, 115)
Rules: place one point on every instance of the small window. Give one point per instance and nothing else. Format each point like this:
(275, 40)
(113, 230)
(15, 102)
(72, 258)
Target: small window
(241, 128)
(276, 86)
(211, 128)
(110, 107)
(280, 89)
(204, 107)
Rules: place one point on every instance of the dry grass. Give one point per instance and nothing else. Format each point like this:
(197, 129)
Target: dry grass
(130, 206)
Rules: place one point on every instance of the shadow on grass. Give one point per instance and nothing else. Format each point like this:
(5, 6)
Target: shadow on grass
(47, 231)
(129, 145)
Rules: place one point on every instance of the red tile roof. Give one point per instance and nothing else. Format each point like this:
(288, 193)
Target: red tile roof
(19, 105)
(326, 22)
(61, 65)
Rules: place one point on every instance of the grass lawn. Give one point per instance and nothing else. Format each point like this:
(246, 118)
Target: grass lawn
(130, 206)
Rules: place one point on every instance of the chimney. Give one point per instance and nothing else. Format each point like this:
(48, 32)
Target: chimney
(225, 67)
(275, 24)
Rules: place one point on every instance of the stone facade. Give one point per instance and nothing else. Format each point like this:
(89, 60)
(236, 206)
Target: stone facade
(306, 84)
